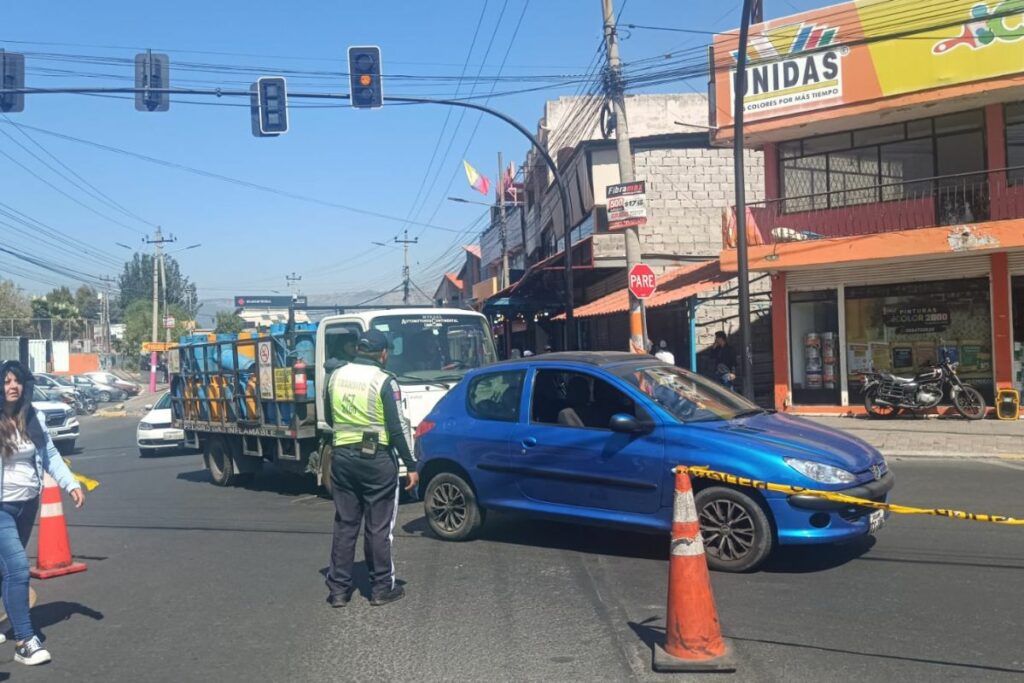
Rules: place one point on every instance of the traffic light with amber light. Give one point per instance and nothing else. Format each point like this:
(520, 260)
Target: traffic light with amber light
(364, 77)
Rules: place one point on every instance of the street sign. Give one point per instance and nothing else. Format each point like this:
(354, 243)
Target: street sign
(12, 77)
(157, 347)
(626, 204)
(642, 282)
(152, 70)
(258, 301)
(169, 322)
(266, 370)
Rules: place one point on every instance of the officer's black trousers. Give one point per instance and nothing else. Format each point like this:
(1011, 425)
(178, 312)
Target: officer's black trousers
(363, 489)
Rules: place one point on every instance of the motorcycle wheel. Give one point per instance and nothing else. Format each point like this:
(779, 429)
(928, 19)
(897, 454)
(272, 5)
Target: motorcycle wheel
(969, 403)
(876, 410)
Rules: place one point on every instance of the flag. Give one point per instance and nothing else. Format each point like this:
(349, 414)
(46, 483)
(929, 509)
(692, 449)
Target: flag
(478, 182)
(508, 183)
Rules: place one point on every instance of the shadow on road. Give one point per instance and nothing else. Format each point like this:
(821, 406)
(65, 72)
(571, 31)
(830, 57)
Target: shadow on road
(53, 613)
(266, 481)
(159, 454)
(807, 559)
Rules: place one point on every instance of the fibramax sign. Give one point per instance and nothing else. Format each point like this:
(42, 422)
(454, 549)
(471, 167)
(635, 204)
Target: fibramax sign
(867, 51)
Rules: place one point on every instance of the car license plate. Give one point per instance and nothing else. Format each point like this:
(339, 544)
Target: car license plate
(54, 432)
(876, 520)
(179, 435)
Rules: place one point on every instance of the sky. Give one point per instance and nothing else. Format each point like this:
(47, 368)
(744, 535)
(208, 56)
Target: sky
(288, 214)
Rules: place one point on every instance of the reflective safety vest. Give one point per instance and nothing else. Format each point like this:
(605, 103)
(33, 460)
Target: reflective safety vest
(356, 406)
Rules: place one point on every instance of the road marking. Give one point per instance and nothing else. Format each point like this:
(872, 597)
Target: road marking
(1019, 466)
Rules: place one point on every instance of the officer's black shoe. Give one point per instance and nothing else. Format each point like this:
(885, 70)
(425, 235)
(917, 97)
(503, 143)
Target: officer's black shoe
(339, 599)
(396, 593)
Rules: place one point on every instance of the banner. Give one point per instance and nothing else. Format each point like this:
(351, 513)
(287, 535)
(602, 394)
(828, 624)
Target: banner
(861, 51)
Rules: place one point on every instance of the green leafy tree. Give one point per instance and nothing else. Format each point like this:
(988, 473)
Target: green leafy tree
(15, 310)
(138, 325)
(87, 300)
(136, 284)
(228, 323)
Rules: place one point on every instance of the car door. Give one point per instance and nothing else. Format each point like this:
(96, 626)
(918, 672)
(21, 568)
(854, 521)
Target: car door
(576, 459)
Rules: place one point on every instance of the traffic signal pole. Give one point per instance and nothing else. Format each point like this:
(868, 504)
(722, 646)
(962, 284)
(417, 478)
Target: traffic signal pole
(740, 88)
(563, 194)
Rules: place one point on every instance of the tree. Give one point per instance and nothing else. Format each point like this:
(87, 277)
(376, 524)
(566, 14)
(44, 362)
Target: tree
(136, 284)
(15, 310)
(138, 325)
(87, 300)
(228, 323)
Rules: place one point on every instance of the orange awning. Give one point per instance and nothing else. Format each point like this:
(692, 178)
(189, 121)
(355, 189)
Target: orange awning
(675, 285)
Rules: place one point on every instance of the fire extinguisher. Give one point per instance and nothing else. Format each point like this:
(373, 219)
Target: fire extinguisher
(299, 369)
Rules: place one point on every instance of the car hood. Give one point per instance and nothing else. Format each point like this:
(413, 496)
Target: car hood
(795, 437)
(49, 405)
(158, 416)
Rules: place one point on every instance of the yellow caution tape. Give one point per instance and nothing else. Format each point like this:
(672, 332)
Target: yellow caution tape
(85, 481)
(708, 473)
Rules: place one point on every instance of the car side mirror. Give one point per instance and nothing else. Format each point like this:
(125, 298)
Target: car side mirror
(148, 406)
(626, 424)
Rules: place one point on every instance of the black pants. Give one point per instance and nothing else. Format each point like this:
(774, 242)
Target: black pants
(363, 489)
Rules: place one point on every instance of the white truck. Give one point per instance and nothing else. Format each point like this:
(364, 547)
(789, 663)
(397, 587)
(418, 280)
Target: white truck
(248, 399)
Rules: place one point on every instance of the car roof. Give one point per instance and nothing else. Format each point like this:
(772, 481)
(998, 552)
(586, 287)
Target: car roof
(595, 358)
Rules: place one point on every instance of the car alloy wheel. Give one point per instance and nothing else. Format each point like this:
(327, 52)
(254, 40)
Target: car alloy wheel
(735, 528)
(448, 507)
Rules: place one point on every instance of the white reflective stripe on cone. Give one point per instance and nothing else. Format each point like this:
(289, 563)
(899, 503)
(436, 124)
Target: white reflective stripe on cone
(51, 510)
(684, 509)
(688, 546)
(48, 481)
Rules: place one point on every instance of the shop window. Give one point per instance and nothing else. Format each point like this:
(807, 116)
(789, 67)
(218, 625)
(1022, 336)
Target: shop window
(814, 347)
(904, 162)
(879, 135)
(854, 176)
(1015, 142)
(901, 328)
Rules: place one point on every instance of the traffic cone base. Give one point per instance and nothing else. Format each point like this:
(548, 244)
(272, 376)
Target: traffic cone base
(71, 568)
(667, 663)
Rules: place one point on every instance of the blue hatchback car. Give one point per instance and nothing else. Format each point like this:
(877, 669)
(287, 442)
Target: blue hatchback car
(592, 437)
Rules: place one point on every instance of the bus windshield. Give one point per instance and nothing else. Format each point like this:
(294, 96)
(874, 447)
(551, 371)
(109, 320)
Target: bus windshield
(435, 347)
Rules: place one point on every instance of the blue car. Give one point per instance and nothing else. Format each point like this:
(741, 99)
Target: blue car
(592, 437)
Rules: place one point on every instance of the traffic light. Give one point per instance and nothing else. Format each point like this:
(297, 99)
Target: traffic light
(367, 89)
(12, 77)
(272, 100)
(152, 71)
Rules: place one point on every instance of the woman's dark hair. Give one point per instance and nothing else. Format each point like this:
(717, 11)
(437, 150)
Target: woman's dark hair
(13, 427)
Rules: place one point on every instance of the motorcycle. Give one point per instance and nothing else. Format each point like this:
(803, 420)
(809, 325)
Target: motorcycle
(83, 403)
(886, 394)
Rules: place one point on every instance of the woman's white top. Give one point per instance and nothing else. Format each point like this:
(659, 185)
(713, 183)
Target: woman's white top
(20, 478)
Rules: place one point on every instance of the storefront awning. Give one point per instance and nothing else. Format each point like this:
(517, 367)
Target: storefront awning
(675, 285)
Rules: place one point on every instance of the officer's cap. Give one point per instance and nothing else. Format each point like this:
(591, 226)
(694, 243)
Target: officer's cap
(373, 341)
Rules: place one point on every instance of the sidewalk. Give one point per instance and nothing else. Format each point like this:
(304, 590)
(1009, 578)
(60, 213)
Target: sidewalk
(950, 437)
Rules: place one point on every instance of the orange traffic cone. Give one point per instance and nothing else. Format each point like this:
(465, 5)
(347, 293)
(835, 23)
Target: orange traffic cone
(54, 549)
(693, 636)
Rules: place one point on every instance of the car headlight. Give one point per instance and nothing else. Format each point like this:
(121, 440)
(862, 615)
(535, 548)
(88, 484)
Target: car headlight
(826, 474)
(145, 425)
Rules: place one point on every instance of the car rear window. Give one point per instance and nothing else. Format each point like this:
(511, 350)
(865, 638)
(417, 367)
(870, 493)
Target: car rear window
(496, 396)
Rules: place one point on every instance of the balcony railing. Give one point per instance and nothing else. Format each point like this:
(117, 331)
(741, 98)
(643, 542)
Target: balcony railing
(966, 198)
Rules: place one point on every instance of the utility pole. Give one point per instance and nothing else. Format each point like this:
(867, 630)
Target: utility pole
(105, 313)
(158, 242)
(502, 227)
(743, 274)
(163, 294)
(405, 242)
(613, 90)
(291, 280)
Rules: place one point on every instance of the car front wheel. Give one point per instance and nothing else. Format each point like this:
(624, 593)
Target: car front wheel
(451, 508)
(736, 531)
(104, 397)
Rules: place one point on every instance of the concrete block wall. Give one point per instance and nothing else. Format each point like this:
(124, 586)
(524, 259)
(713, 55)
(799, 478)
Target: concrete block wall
(687, 190)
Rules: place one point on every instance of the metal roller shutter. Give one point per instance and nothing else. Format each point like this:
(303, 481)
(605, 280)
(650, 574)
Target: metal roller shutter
(905, 271)
(1016, 259)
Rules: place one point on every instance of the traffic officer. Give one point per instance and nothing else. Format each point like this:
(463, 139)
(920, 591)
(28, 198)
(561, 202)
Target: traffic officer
(370, 434)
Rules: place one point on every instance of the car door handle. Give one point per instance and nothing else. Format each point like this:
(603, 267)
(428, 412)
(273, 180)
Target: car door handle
(529, 442)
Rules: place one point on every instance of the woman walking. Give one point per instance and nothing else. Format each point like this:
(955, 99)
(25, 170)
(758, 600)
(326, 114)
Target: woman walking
(26, 452)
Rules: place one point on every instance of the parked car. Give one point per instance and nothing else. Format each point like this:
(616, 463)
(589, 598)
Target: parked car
(110, 379)
(60, 419)
(155, 432)
(54, 383)
(104, 393)
(592, 437)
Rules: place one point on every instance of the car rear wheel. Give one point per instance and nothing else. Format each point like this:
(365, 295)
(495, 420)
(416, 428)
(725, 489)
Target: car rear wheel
(736, 531)
(451, 508)
(104, 397)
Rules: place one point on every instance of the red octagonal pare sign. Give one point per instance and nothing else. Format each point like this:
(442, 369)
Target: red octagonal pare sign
(642, 282)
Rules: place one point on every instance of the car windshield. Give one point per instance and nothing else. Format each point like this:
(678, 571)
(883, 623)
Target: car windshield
(164, 403)
(41, 395)
(686, 396)
(63, 381)
(435, 347)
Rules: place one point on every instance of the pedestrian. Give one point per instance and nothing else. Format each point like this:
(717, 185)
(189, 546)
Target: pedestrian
(527, 353)
(548, 348)
(27, 452)
(723, 360)
(370, 435)
(663, 354)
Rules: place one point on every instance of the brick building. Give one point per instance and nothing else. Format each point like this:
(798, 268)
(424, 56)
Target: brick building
(689, 184)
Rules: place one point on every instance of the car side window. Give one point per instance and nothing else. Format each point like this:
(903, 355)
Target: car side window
(341, 341)
(576, 399)
(496, 395)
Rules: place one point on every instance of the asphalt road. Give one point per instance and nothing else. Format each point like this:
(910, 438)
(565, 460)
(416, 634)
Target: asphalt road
(190, 582)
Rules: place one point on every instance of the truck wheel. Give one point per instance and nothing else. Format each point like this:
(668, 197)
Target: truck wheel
(219, 462)
(451, 508)
(736, 531)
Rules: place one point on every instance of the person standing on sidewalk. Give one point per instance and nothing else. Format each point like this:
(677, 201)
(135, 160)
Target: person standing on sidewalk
(370, 434)
(723, 360)
(26, 451)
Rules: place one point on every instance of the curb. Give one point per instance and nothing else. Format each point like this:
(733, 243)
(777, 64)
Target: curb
(113, 411)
